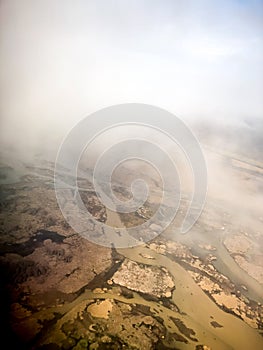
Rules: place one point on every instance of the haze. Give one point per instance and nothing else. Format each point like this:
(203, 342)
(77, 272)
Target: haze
(61, 60)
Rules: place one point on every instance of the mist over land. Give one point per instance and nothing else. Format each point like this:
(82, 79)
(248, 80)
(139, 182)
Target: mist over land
(62, 61)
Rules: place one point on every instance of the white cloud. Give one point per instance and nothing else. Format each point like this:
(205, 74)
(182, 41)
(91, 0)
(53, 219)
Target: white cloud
(63, 59)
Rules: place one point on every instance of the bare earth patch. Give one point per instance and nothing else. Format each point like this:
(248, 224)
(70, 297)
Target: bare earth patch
(145, 279)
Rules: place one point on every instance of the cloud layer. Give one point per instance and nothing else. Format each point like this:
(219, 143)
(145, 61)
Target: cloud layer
(62, 60)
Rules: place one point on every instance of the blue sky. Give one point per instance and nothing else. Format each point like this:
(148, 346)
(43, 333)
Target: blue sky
(64, 59)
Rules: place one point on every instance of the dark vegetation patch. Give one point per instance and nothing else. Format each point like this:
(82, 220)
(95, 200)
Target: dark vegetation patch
(35, 241)
(216, 325)
(188, 332)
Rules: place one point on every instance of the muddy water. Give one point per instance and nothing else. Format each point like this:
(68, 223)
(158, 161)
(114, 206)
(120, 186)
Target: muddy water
(197, 309)
(224, 263)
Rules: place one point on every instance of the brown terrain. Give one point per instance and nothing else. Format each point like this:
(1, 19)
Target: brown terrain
(202, 290)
